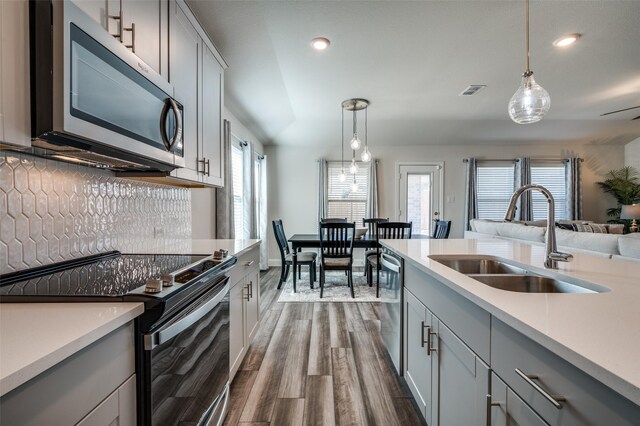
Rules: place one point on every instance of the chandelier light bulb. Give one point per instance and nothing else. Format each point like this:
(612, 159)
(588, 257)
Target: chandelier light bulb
(354, 186)
(355, 142)
(343, 176)
(366, 155)
(530, 102)
(353, 167)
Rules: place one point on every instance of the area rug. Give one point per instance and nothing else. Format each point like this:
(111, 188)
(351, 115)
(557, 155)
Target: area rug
(335, 289)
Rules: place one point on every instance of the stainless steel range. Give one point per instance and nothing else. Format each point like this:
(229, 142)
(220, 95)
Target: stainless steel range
(182, 339)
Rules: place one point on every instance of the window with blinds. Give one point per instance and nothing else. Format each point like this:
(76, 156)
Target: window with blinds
(238, 190)
(341, 200)
(552, 178)
(494, 190)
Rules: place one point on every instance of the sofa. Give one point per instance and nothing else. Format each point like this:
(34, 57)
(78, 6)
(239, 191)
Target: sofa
(610, 243)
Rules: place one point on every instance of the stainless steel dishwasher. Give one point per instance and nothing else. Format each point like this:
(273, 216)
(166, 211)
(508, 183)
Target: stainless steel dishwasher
(391, 305)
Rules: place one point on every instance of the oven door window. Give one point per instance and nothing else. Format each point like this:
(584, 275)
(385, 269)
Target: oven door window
(189, 371)
(107, 92)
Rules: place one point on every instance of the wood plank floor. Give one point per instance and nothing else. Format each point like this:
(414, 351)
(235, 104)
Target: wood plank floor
(318, 364)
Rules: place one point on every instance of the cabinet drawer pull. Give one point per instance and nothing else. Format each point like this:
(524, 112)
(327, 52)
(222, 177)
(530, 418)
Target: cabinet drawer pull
(490, 404)
(248, 296)
(249, 263)
(429, 348)
(422, 341)
(529, 378)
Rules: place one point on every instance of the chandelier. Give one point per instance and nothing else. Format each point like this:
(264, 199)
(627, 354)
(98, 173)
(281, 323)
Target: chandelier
(355, 105)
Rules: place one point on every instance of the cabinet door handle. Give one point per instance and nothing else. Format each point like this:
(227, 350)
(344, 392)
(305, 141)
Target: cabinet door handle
(422, 341)
(489, 405)
(132, 29)
(251, 289)
(246, 287)
(204, 166)
(429, 334)
(529, 378)
(117, 17)
(208, 167)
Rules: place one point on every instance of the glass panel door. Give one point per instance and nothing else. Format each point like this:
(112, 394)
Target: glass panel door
(420, 196)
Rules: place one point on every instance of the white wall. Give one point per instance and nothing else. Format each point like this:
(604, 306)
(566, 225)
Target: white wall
(293, 181)
(632, 154)
(203, 200)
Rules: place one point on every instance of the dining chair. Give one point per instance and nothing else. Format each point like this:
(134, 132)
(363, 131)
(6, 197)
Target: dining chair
(441, 229)
(389, 231)
(303, 258)
(370, 224)
(336, 250)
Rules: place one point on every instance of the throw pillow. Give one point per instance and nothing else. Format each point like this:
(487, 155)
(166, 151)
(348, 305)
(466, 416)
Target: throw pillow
(567, 226)
(598, 228)
(579, 227)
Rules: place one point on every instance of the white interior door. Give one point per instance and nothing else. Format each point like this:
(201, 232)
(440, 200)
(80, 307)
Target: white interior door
(420, 195)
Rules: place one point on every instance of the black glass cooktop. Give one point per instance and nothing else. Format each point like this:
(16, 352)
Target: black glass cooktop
(109, 274)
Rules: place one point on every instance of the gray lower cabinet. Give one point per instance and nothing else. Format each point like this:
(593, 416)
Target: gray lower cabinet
(507, 409)
(94, 386)
(448, 380)
(244, 306)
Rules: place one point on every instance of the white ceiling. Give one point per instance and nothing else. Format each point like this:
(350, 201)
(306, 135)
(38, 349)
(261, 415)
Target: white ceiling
(411, 59)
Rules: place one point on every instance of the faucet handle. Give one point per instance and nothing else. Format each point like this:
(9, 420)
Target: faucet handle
(560, 257)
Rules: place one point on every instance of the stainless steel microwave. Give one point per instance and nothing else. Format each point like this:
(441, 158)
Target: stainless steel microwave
(93, 100)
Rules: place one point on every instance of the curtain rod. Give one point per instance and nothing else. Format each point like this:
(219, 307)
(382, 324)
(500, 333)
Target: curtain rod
(564, 160)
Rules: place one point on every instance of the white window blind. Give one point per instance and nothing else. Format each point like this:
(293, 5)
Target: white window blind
(494, 190)
(552, 178)
(238, 190)
(341, 200)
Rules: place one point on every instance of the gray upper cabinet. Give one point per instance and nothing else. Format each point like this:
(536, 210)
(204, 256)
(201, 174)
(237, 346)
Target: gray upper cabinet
(185, 51)
(196, 73)
(211, 147)
(140, 25)
(14, 82)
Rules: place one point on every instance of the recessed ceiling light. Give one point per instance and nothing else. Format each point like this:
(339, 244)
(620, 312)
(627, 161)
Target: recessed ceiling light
(566, 40)
(320, 43)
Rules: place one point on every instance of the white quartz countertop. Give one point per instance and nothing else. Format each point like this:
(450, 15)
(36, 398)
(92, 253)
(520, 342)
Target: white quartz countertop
(597, 332)
(36, 336)
(198, 246)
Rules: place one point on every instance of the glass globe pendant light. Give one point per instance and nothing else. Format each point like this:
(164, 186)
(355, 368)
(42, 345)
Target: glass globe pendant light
(530, 102)
(354, 185)
(366, 155)
(353, 167)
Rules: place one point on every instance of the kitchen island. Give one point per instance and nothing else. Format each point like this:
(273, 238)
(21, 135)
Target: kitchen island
(595, 334)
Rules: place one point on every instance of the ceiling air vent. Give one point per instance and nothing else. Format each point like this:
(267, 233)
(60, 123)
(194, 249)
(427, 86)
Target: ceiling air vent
(473, 89)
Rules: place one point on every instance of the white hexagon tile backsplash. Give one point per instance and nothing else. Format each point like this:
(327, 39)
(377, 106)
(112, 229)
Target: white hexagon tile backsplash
(52, 211)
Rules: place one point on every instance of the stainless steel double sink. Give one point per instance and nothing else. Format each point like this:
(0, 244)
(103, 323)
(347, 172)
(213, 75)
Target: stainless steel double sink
(505, 275)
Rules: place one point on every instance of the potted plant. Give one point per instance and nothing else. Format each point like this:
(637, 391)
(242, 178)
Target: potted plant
(624, 185)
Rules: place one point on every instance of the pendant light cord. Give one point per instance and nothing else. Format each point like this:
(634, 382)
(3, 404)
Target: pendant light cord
(342, 147)
(527, 71)
(366, 125)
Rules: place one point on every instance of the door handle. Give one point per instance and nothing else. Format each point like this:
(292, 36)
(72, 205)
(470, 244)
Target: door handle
(429, 348)
(251, 289)
(529, 378)
(248, 296)
(131, 29)
(490, 404)
(422, 341)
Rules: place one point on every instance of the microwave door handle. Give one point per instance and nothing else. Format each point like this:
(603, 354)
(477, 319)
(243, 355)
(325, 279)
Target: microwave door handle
(170, 104)
(166, 333)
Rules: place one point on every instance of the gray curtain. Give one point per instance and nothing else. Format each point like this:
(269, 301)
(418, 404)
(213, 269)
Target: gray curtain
(470, 202)
(523, 177)
(224, 196)
(322, 189)
(372, 194)
(249, 198)
(573, 181)
(262, 214)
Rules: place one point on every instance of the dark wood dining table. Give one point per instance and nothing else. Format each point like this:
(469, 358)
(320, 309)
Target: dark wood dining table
(300, 241)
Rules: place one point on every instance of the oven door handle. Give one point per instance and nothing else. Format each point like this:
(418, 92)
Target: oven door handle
(164, 334)
(389, 262)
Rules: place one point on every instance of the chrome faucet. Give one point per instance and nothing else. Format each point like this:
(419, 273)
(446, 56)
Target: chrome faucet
(553, 255)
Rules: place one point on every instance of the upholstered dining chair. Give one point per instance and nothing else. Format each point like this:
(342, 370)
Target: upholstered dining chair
(390, 231)
(370, 224)
(336, 250)
(307, 258)
(441, 229)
